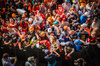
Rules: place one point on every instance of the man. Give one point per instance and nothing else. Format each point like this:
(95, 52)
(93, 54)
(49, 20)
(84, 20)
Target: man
(84, 17)
(43, 9)
(66, 5)
(96, 23)
(83, 35)
(78, 45)
(6, 60)
(75, 3)
(51, 57)
(30, 62)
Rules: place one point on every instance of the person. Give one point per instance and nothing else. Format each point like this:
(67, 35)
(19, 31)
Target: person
(6, 60)
(50, 57)
(84, 17)
(78, 45)
(80, 62)
(66, 5)
(95, 23)
(82, 35)
(68, 49)
(30, 62)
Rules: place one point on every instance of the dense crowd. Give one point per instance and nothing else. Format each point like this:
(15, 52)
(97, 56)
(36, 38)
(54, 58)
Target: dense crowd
(50, 24)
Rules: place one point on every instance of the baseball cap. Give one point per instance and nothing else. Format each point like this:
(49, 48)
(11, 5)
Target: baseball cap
(47, 51)
(49, 30)
(56, 22)
(30, 19)
(67, 0)
(81, 7)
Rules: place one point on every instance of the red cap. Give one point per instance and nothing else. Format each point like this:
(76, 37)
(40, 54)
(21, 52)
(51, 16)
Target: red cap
(60, 5)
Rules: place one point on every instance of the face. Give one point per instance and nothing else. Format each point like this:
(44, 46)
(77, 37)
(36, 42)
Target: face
(83, 32)
(95, 20)
(60, 8)
(54, 13)
(42, 5)
(93, 35)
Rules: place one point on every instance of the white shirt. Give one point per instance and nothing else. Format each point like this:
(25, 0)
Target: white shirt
(94, 25)
(38, 21)
(66, 7)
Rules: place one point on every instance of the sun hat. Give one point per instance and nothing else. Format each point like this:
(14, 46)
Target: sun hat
(66, 28)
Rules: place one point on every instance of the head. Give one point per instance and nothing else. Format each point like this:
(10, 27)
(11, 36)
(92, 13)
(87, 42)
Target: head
(67, 1)
(54, 12)
(93, 34)
(43, 34)
(71, 32)
(60, 7)
(30, 20)
(11, 21)
(5, 55)
(56, 23)
(82, 31)
(42, 5)
(95, 19)
(47, 52)
(66, 28)
(86, 14)
(30, 59)
(49, 30)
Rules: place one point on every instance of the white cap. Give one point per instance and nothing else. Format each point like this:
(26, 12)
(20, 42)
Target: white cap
(49, 30)
(84, 25)
(30, 19)
(87, 14)
(81, 7)
(74, 1)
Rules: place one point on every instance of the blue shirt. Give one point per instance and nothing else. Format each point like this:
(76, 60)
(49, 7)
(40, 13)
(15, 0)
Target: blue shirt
(83, 19)
(77, 46)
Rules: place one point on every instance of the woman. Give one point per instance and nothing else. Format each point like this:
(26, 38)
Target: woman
(49, 13)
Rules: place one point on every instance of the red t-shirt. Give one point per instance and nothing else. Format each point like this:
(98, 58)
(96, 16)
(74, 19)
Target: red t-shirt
(25, 25)
(91, 39)
(11, 26)
(60, 12)
(41, 15)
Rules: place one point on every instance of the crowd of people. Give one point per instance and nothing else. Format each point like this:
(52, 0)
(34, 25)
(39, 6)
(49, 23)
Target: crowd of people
(50, 24)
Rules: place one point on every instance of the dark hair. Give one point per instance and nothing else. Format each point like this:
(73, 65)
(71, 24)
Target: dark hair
(5, 55)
